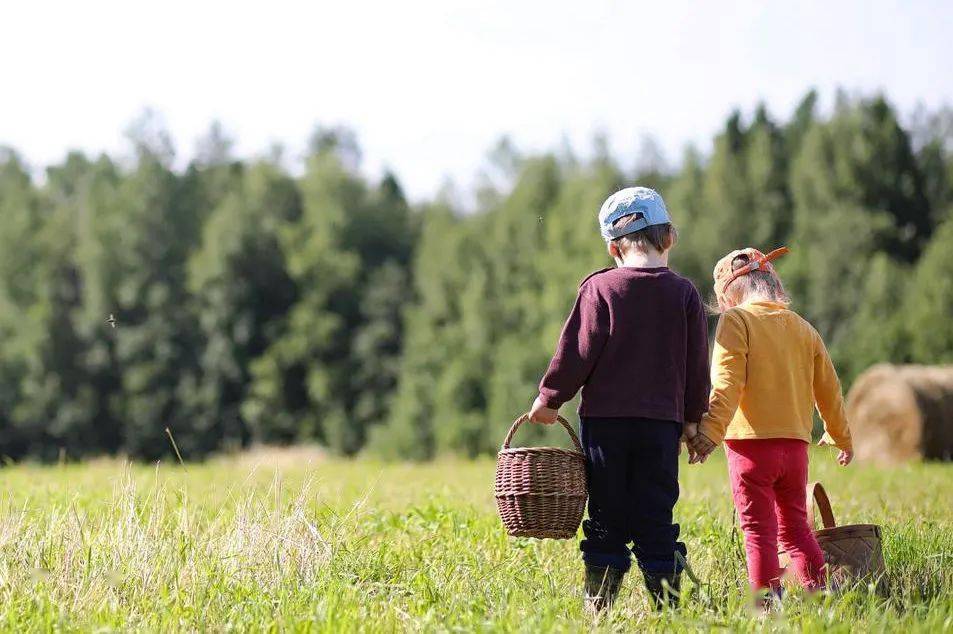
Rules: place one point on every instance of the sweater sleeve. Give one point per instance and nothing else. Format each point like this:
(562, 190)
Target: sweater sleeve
(829, 398)
(697, 383)
(729, 370)
(579, 347)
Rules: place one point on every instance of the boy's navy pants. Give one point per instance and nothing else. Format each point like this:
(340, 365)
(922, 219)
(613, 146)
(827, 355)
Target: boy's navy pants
(632, 464)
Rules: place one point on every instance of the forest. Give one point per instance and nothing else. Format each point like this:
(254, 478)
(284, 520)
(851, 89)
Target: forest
(255, 304)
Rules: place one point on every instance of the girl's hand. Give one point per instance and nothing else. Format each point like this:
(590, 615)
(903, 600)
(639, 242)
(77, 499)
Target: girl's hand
(702, 446)
(539, 413)
(844, 457)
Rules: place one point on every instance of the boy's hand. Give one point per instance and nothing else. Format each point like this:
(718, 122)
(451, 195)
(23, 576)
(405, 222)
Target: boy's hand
(539, 413)
(702, 446)
(689, 431)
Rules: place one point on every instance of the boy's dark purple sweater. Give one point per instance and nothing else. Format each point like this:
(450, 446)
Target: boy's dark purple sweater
(636, 342)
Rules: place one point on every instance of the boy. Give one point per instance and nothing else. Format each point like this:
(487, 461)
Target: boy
(636, 342)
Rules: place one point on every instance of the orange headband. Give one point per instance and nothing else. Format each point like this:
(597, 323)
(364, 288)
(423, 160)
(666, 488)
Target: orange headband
(755, 264)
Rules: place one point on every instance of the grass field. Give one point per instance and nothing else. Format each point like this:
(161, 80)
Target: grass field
(290, 541)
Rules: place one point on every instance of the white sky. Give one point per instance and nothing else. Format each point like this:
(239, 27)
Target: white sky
(429, 86)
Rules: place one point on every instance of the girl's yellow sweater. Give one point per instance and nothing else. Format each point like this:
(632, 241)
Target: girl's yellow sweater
(769, 369)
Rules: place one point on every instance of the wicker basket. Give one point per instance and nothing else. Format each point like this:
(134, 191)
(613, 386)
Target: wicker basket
(853, 552)
(541, 491)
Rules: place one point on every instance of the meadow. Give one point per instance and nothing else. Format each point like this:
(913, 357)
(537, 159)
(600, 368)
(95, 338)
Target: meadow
(290, 540)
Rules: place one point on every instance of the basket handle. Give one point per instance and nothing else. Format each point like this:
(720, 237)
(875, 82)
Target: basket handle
(817, 498)
(525, 417)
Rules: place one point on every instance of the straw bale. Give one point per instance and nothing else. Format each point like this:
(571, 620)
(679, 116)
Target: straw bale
(898, 413)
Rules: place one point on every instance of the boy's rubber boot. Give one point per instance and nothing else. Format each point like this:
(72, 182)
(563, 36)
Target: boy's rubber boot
(602, 587)
(664, 588)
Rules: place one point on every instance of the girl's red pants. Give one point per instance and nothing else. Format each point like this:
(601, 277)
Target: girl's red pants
(768, 480)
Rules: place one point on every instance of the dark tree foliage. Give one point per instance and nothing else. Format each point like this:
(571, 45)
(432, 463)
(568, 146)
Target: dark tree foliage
(252, 305)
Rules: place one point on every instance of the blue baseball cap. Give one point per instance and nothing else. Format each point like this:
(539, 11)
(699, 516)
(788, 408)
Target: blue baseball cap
(626, 202)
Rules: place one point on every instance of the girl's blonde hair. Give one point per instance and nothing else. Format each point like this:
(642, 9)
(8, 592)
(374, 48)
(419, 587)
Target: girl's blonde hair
(762, 283)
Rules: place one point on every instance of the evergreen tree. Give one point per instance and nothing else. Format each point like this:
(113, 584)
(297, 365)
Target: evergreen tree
(685, 204)
(23, 314)
(930, 300)
(858, 199)
(744, 194)
(242, 292)
(804, 116)
(932, 138)
(862, 158)
(411, 428)
(135, 234)
(878, 331)
(384, 236)
(295, 382)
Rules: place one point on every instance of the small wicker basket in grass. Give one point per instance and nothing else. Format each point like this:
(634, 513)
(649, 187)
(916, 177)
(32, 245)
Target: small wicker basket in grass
(541, 491)
(853, 552)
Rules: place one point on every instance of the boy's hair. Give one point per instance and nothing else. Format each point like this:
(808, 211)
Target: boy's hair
(660, 237)
(759, 283)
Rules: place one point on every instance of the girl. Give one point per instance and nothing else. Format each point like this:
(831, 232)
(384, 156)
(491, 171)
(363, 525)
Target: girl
(769, 369)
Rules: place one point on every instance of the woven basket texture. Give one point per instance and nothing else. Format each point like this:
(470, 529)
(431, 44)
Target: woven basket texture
(853, 552)
(541, 491)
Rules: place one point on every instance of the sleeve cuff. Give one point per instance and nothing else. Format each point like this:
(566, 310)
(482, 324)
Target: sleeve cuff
(843, 445)
(694, 416)
(550, 401)
(708, 430)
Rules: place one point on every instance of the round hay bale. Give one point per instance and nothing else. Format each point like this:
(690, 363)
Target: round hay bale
(903, 412)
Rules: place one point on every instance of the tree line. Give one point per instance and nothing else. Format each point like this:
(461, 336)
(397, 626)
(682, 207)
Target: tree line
(252, 304)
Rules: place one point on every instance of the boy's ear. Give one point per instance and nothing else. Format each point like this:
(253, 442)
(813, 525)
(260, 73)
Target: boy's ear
(613, 250)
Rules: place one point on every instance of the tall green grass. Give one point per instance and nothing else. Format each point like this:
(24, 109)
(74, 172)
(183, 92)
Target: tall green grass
(290, 541)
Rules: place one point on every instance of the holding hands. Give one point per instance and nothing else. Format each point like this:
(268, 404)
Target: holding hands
(699, 445)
